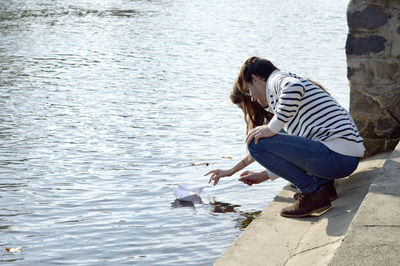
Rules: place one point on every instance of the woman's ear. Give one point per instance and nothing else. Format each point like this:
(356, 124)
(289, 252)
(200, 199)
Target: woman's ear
(253, 78)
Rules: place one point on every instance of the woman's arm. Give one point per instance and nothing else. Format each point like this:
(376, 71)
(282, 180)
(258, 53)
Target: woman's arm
(291, 93)
(242, 164)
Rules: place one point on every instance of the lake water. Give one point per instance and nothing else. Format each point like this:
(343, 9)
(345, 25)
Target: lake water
(107, 105)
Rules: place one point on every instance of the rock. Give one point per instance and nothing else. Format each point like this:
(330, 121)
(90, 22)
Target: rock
(368, 18)
(365, 46)
(373, 58)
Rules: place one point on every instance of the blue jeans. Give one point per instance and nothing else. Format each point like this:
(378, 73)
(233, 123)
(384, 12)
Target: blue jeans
(305, 163)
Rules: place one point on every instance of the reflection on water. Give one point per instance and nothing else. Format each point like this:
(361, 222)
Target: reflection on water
(244, 219)
(222, 207)
(105, 104)
(182, 203)
(216, 207)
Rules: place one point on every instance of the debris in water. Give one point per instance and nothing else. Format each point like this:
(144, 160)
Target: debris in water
(197, 164)
(13, 250)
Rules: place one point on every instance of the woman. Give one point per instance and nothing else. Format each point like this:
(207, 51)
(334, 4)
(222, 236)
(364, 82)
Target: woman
(254, 115)
(322, 141)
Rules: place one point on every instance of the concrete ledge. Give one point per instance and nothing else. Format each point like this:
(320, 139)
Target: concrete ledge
(374, 235)
(273, 240)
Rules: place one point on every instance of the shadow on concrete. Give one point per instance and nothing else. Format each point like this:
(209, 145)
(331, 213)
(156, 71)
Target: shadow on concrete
(311, 240)
(351, 190)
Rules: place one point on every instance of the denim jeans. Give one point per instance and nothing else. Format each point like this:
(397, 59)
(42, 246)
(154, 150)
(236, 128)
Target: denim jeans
(305, 163)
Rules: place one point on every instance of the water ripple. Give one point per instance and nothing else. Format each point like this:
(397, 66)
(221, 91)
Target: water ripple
(107, 105)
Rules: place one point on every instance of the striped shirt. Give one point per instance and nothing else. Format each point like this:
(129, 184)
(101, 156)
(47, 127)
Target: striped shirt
(303, 109)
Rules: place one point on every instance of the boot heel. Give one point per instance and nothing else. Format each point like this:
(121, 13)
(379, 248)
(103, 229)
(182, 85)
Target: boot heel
(321, 211)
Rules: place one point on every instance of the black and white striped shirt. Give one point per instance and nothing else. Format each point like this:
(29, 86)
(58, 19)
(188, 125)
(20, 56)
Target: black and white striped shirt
(304, 109)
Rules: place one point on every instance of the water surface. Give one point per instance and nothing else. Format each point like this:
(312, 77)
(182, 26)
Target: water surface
(107, 105)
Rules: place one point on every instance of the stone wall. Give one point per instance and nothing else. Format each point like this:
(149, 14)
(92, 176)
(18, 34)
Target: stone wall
(373, 59)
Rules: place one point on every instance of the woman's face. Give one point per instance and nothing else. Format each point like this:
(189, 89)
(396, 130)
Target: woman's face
(256, 90)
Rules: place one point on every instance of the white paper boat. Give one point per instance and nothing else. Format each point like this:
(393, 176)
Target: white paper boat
(185, 193)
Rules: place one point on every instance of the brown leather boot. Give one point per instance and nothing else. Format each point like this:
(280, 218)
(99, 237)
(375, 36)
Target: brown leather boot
(307, 204)
(330, 187)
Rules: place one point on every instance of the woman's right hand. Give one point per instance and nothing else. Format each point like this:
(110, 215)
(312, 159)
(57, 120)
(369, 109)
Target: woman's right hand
(250, 178)
(217, 174)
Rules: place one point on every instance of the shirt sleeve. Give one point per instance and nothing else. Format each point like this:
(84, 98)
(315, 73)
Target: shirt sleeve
(291, 93)
(271, 175)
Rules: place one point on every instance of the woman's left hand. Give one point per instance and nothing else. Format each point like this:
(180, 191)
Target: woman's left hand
(250, 178)
(259, 132)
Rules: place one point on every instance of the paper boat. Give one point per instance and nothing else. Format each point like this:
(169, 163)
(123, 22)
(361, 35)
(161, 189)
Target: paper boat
(185, 193)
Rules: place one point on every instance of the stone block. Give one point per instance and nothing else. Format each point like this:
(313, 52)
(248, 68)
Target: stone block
(361, 124)
(364, 98)
(392, 143)
(395, 49)
(358, 75)
(386, 71)
(369, 18)
(374, 146)
(394, 110)
(374, 98)
(365, 46)
(356, 71)
(386, 126)
(366, 128)
(378, 145)
(389, 4)
(370, 130)
(377, 70)
(384, 96)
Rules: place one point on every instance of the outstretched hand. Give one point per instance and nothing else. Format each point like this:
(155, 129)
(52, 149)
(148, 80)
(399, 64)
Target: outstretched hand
(217, 174)
(250, 178)
(259, 132)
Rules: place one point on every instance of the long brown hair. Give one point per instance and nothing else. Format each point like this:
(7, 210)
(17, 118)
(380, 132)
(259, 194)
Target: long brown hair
(254, 114)
(319, 85)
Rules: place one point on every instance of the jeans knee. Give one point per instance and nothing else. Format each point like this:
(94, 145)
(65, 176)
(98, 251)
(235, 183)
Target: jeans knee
(252, 148)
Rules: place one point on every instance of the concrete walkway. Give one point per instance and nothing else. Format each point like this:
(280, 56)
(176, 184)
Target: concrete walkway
(273, 240)
(374, 235)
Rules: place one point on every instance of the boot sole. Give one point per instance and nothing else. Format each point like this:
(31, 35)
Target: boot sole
(317, 212)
